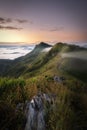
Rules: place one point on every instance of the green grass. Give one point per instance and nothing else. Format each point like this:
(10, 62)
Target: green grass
(35, 74)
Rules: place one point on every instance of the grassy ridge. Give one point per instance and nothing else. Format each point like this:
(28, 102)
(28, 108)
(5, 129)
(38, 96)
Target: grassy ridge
(34, 62)
(35, 73)
(68, 113)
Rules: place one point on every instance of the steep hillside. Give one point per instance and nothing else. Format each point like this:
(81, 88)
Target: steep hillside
(61, 58)
(58, 74)
(18, 66)
(74, 66)
(4, 66)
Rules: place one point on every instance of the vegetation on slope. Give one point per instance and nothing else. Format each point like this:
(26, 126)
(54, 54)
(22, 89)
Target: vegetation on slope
(38, 70)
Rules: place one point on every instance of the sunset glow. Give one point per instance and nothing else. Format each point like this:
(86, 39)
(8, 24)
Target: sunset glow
(34, 21)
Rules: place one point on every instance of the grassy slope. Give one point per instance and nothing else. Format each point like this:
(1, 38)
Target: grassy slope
(18, 66)
(53, 63)
(4, 66)
(70, 110)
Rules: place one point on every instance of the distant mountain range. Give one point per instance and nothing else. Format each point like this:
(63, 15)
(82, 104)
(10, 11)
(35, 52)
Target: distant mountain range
(43, 62)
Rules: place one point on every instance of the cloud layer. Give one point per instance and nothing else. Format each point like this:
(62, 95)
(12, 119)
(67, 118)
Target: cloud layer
(10, 20)
(9, 28)
(5, 20)
(54, 29)
(5, 23)
(23, 21)
(14, 51)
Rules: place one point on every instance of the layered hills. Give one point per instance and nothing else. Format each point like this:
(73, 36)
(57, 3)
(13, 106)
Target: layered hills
(58, 59)
(51, 82)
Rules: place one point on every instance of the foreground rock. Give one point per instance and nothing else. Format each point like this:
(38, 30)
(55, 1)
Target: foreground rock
(35, 111)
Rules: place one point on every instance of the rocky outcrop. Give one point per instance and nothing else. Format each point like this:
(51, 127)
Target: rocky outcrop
(35, 111)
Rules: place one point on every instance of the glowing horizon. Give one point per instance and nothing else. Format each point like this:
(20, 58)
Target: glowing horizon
(32, 21)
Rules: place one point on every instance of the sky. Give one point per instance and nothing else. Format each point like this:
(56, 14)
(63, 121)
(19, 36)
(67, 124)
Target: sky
(31, 21)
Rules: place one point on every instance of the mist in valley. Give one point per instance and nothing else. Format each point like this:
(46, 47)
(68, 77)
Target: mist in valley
(78, 54)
